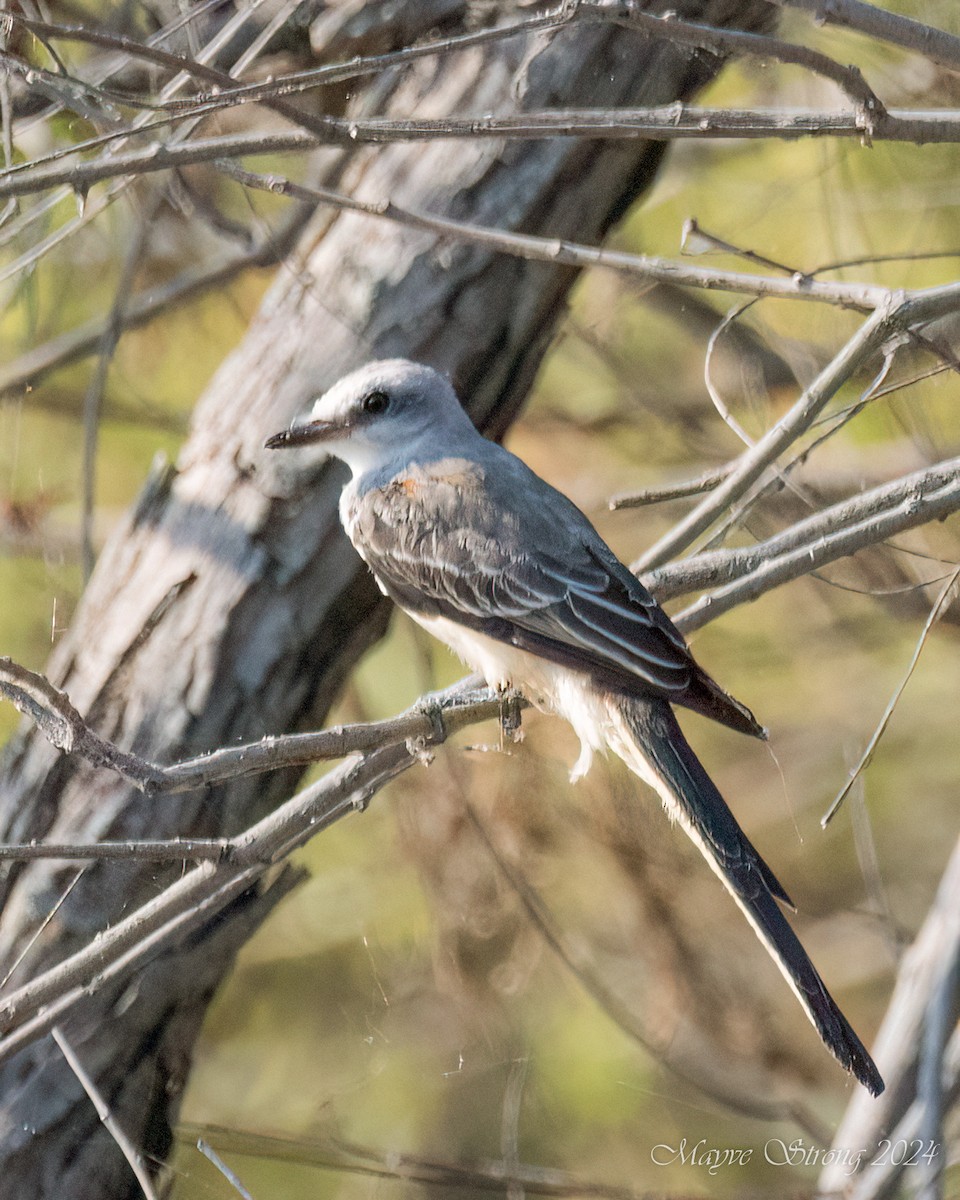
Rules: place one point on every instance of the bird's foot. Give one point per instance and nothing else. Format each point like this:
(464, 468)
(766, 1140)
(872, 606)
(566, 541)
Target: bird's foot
(511, 705)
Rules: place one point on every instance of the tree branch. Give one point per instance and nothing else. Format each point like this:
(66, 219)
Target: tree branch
(897, 1113)
(865, 297)
(836, 532)
(428, 722)
(893, 314)
(663, 123)
(236, 863)
(935, 44)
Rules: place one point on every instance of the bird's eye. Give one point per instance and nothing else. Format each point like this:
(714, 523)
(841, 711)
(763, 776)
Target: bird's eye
(374, 402)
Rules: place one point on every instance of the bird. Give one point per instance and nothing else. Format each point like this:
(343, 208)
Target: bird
(512, 576)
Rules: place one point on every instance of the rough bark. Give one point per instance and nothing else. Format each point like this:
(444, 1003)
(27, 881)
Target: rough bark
(229, 605)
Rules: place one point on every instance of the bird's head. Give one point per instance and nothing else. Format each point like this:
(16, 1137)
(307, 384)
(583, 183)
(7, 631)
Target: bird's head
(378, 412)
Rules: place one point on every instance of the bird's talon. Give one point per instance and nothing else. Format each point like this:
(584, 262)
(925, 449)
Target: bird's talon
(431, 708)
(510, 715)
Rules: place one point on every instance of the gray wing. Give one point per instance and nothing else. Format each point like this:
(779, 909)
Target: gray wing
(500, 551)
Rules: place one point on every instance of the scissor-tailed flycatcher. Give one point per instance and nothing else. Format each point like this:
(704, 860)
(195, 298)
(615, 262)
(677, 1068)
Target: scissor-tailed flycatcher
(514, 578)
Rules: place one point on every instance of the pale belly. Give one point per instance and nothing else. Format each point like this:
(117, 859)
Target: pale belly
(549, 686)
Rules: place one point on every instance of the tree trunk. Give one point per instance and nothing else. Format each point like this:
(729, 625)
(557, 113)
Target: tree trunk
(229, 605)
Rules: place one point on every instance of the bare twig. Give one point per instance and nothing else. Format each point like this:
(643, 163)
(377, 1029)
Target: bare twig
(169, 850)
(677, 491)
(878, 899)
(62, 725)
(670, 122)
(694, 239)
(713, 391)
(428, 720)
(841, 529)
(37, 933)
(936, 44)
(668, 27)
(834, 422)
(97, 104)
(110, 1123)
(35, 1008)
(861, 297)
(337, 1155)
(892, 312)
(755, 45)
(944, 600)
(919, 305)
(206, 888)
(838, 531)
(6, 137)
(230, 92)
(90, 209)
(229, 1175)
(891, 315)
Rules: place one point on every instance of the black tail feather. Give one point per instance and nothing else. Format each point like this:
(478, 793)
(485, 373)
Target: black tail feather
(692, 798)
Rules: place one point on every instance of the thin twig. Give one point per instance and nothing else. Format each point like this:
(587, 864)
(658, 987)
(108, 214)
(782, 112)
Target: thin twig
(836, 532)
(754, 461)
(109, 1121)
(892, 311)
(859, 297)
(712, 390)
(755, 45)
(93, 208)
(668, 27)
(677, 491)
(337, 1155)
(428, 720)
(6, 138)
(63, 727)
(167, 850)
(694, 239)
(37, 933)
(229, 92)
(229, 1175)
(878, 899)
(944, 600)
(781, 476)
(93, 398)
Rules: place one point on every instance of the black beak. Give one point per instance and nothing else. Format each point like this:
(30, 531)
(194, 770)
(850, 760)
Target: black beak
(305, 435)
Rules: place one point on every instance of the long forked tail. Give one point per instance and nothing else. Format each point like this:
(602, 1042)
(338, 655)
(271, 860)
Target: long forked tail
(645, 734)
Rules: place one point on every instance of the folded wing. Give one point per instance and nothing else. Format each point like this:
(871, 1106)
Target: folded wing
(535, 575)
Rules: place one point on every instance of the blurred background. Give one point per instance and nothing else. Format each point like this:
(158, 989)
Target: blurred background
(491, 962)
